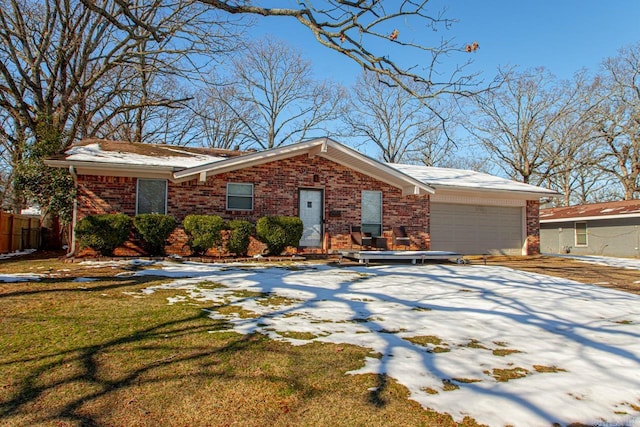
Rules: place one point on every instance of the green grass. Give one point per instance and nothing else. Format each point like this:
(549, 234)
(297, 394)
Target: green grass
(475, 344)
(272, 300)
(297, 335)
(432, 343)
(103, 353)
(504, 375)
(504, 352)
(548, 369)
(425, 340)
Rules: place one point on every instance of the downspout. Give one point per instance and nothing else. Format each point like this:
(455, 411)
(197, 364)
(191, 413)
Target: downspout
(74, 216)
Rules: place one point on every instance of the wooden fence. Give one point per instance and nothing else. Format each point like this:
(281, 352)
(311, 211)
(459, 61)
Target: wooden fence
(18, 232)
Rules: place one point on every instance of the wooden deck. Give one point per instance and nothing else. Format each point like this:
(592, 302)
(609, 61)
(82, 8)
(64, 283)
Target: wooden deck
(364, 257)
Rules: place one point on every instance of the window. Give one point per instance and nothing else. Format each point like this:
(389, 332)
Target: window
(581, 233)
(152, 196)
(239, 197)
(372, 212)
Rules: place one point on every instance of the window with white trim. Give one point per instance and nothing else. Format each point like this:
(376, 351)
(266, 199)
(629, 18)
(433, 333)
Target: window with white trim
(239, 196)
(372, 212)
(151, 196)
(581, 233)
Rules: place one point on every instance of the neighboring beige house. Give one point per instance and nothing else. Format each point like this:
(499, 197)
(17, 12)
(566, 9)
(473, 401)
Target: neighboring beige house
(330, 186)
(610, 229)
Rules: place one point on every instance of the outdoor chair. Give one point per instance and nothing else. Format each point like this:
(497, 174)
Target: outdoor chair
(400, 237)
(359, 237)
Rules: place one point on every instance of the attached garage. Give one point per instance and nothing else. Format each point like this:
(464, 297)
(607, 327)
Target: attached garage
(477, 229)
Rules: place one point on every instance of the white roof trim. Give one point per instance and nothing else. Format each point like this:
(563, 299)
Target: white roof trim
(114, 169)
(322, 147)
(591, 218)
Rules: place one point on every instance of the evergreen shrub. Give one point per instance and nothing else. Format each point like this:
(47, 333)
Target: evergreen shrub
(153, 230)
(278, 232)
(204, 231)
(103, 233)
(240, 233)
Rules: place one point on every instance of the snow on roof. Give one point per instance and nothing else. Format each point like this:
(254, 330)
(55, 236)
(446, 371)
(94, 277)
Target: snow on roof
(623, 208)
(461, 178)
(143, 154)
(178, 158)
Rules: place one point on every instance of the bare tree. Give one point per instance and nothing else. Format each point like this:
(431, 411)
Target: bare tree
(368, 32)
(618, 119)
(515, 124)
(399, 125)
(276, 83)
(573, 150)
(221, 117)
(56, 56)
(62, 62)
(148, 114)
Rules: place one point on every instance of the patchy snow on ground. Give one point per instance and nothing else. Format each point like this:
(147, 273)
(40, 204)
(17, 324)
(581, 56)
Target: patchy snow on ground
(19, 277)
(630, 263)
(498, 345)
(85, 279)
(17, 253)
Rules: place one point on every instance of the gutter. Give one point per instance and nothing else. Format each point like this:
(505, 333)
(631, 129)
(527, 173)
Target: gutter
(110, 165)
(529, 194)
(591, 218)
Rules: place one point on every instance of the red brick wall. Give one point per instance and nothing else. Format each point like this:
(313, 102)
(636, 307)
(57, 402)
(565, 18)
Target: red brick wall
(533, 227)
(106, 194)
(276, 186)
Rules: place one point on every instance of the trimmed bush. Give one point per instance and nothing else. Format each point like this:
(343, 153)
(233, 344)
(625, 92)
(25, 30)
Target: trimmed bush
(239, 236)
(154, 229)
(203, 231)
(278, 232)
(103, 233)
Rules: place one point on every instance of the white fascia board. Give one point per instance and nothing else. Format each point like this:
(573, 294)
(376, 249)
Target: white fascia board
(114, 169)
(523, 194)
(591, 218)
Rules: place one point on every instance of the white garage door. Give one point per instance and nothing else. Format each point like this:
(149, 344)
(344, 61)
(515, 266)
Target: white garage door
(472, 229)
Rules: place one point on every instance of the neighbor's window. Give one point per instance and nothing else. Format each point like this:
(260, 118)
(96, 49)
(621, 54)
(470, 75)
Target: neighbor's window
(239, 197)
(581, 233)
(372, 212)
(152, 196)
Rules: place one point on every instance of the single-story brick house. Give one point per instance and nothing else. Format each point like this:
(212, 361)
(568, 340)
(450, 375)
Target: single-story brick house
(610, 229)
(330, 186)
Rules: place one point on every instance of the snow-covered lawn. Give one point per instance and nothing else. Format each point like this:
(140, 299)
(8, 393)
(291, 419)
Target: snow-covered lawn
(501, 346)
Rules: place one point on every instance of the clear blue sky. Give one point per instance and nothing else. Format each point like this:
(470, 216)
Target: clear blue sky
(561, 35)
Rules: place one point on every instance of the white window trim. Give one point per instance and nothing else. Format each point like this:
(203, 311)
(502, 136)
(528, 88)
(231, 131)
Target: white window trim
(166, 192)
(381, 209)
(575, 234)
(252, 196)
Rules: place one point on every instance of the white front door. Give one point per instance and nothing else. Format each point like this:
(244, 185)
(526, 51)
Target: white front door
(311, 216)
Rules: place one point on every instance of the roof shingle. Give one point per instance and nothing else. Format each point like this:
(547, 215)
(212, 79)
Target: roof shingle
(594, 210)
